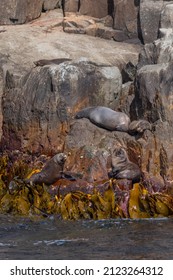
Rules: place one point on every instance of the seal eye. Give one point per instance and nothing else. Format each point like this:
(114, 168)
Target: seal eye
(119, 152)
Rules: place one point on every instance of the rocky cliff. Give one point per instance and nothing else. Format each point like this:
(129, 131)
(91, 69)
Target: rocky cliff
(120, 56)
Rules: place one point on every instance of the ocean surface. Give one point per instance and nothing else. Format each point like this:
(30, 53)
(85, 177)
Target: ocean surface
(52, 238)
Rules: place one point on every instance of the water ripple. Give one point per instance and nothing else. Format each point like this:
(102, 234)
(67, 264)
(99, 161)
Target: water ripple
(58, 242)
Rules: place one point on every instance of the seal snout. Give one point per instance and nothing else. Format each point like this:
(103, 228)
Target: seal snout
(60, 158)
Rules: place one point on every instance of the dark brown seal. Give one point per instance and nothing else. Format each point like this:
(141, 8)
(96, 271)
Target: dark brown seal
(57, 61)
(123, 168)
(51, 172)
(106, 118)
(112, 120)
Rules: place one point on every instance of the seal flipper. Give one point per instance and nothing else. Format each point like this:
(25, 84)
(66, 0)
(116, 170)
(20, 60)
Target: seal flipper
(67, 176)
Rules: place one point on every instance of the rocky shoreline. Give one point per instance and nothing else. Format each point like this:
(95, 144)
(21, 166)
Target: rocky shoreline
(120, 57)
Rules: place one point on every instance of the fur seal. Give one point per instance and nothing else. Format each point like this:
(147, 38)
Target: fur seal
(123, 168)
(44, 62)
(105, 117)
(112, 120)
(51, 172)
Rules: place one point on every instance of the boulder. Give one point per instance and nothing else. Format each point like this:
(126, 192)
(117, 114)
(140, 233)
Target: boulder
(79, 24)
(158, 52)
(89, 149)
(51, 4)
(153, 102)
(154, 92)
(94, 8)
(47, 98)
(167, 16)
(70, 6)
(126, 17)
(150, 12)
(19, 11)
(99, 80)
(164, 46)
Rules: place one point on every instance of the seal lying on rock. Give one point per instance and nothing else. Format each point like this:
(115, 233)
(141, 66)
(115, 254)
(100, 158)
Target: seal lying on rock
(123, 168)
(44, 62)
(51, 172)
(109, 119)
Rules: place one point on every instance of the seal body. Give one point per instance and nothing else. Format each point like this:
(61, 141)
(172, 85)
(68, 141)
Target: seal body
(43, 62)
(106, 118)
(123, 168)
(51, 172)
(112, 120)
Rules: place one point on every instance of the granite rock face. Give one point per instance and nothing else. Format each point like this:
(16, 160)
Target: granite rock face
(51, 4)
(126, 18)
(94, 8)
(138, 21)
(47, 98)
(71, 6)
(150, 12)
(19, 11)
(55, 92)
(167, 16)
(38, 104)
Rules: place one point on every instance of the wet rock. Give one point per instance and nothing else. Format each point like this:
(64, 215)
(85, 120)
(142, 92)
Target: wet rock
(17, 12)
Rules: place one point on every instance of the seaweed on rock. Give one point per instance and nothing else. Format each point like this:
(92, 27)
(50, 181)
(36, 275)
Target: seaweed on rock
(19, 197)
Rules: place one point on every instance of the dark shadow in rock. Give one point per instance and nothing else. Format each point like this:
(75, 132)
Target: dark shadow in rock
(139, 29)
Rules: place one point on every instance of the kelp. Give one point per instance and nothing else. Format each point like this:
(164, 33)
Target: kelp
(19, 197)
(78, 205)
(143, 204)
